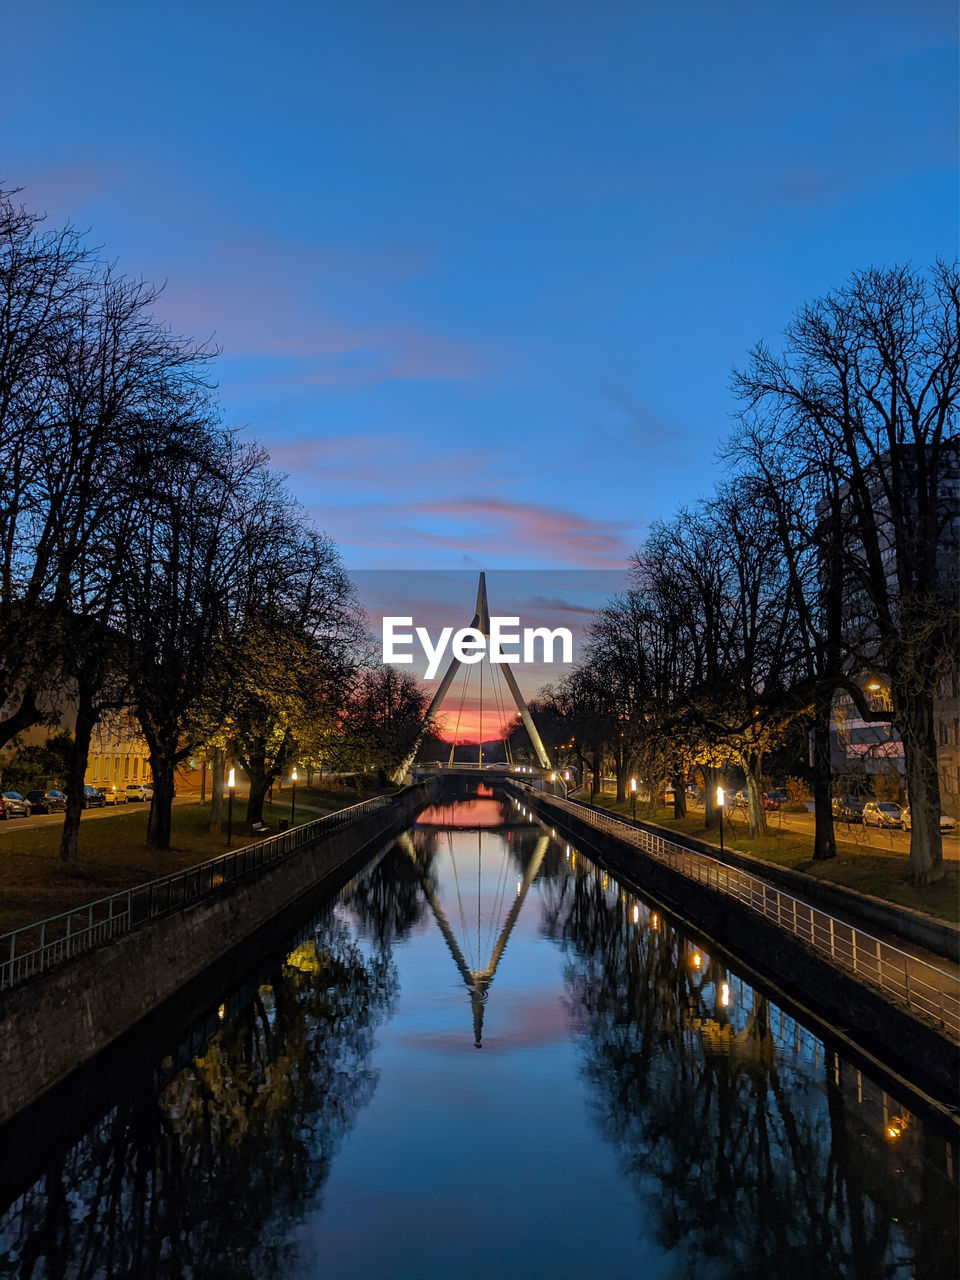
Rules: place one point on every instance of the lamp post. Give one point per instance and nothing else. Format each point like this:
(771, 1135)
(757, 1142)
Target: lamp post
(633, 796)
(231, 786)
(293, 796)
(720, 807)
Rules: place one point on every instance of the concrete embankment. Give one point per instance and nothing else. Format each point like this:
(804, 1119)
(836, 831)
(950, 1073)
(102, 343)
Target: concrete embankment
(60, 1020)
(912, 1049)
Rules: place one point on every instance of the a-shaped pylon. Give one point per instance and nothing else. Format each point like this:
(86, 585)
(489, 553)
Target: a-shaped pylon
(481, 623)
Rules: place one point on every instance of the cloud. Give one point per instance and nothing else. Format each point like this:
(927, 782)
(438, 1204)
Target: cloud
(567, 536)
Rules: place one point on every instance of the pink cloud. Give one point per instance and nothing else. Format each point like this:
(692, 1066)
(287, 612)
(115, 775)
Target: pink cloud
(487, 529)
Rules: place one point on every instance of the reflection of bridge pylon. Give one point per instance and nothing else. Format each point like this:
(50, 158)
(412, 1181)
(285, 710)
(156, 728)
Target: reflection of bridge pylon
(481, 623)
(478, 980)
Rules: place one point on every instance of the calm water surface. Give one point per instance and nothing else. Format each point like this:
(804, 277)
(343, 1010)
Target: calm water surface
(486, 1059)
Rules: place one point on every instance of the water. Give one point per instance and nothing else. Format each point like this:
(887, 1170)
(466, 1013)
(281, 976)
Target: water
(487, 1059)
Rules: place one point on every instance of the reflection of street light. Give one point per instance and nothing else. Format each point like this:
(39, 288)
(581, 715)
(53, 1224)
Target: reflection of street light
(231, 785)
(293, 796)
(633, 796)
(720, 807)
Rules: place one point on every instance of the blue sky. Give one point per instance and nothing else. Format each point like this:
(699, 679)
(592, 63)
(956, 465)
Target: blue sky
(480, 271)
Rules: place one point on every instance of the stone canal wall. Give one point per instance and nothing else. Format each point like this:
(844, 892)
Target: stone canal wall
(60, 1020)
(910, 1048)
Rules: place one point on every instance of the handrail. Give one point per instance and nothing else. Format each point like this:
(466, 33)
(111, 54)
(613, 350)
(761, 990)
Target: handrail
(912, 982)
(34, 948)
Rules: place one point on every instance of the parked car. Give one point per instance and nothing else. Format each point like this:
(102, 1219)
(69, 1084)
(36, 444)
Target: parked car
(848, 809)
(143, 790)
(774, 799)
(882, 813)
(47, 801)
(113, 793)
(946, 822)
(92, 798)
(13, 805)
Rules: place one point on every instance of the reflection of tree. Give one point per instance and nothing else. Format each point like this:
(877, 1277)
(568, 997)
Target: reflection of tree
(207, 1178)
(752, 1163)
(387, 900)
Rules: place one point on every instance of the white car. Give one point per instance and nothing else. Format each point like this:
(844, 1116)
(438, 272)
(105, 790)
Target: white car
(882, 813)
(139, 791)
(946, 822)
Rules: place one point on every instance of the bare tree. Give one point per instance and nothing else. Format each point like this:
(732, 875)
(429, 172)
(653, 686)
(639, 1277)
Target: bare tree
(874, 370)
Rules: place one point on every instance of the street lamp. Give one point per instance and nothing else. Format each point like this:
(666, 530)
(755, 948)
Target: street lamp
(720, 807)
(293, 796)
(633, 796)
(231, 787)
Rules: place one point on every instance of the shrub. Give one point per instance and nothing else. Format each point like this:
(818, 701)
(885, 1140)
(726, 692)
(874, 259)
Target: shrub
(796, 789)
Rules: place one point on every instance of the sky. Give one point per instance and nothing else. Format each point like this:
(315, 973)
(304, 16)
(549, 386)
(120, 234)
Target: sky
(480, 272)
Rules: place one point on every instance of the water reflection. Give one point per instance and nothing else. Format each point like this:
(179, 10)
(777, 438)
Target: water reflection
(758, 1148)
(186, 1183)
(322, 1119)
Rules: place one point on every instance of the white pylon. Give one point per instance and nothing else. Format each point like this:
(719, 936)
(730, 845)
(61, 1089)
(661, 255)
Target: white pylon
(481, 623)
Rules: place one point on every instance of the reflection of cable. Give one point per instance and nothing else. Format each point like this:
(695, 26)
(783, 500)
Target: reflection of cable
(497, 901)
(463, 920)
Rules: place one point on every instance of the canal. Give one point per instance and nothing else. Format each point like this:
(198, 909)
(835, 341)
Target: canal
(485, 1058)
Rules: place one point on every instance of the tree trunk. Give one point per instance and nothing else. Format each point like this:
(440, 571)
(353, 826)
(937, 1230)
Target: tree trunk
(218, 772)
(679, 794)
(824, 838)
(710, 784)
(76, 769)
(915, 723)
(758, 815)
(159, 825)
(621, 781)
(596, 778)
(260, 779)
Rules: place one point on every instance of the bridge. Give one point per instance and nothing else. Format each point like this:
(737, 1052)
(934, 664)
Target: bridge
(481, 623)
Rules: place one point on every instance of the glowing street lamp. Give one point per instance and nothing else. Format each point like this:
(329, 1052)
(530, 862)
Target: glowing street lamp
(720, 807)
(231, 787)
(293, 796)
(633, 796)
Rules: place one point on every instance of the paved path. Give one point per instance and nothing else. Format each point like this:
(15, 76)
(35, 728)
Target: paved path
(89, 815)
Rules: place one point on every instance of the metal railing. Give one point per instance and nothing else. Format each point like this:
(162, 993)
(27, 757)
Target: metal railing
(912, 982)
(34, 948)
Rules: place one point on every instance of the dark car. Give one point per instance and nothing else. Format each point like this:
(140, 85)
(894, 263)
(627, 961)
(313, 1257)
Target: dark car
(13, 805)
(47, 801)
(92, 798)
(774, 799)
(848, 809)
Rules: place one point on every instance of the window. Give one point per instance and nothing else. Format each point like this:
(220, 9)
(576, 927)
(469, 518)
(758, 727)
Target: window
(116, 768)
(126, 768)
(136, 767)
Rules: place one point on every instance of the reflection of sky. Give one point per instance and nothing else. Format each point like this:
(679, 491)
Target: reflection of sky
(436, 599)
(480, 272)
